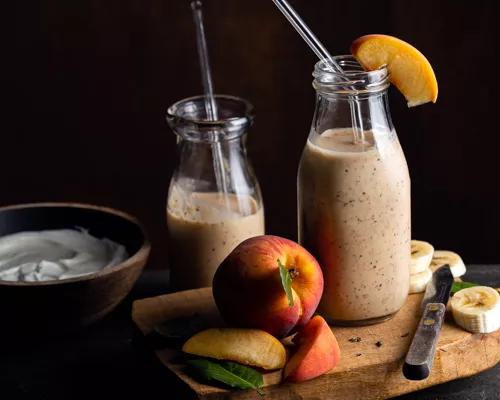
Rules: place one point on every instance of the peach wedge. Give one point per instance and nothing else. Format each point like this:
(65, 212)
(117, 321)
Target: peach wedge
(246, 346)
(318, 352)
(409, 70)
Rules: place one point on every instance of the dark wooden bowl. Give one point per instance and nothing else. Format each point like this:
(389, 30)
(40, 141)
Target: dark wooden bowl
(47, 308)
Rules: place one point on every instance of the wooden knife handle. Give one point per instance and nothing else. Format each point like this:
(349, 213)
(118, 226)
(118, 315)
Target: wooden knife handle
(420, 357)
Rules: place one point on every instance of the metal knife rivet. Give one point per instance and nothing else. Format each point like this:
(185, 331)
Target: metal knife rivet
(433, 308)
(429, 321)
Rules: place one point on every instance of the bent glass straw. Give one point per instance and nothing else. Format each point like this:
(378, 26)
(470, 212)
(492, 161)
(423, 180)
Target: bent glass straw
(323, 54)
(307, 34)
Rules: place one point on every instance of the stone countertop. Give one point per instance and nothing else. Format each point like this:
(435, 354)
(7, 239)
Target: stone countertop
(104, 360)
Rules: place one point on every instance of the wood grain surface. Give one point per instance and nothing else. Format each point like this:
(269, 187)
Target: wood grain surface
(366, 371)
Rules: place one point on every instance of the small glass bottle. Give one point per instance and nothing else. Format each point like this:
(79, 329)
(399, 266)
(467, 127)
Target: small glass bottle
(214, 199)
(354, 197)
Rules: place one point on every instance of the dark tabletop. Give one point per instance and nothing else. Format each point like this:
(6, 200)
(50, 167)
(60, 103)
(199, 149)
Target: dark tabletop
(109, 361)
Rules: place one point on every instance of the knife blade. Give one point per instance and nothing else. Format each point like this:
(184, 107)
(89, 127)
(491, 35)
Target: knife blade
(420, 356)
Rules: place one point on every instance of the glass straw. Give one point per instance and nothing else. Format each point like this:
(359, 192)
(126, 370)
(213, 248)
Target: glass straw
(210, 104)
(323, 54)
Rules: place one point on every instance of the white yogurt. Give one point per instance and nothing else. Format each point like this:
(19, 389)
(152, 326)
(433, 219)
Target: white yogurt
(56, 254)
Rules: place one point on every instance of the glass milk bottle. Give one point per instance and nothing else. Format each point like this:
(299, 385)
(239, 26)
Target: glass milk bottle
(214, 200)
(354, 197)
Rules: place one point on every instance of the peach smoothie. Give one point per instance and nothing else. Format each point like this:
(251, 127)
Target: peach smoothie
(203, 231)
(354, 217)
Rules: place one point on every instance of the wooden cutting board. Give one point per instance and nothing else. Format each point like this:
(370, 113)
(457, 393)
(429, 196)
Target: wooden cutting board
(365, 371)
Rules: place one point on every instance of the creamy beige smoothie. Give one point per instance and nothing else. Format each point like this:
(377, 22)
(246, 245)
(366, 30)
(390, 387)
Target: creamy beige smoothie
(204, 228)
(354, 217)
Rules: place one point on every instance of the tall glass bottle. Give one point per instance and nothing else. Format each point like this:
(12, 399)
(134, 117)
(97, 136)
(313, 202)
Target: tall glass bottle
(214, 200)
(354, 197)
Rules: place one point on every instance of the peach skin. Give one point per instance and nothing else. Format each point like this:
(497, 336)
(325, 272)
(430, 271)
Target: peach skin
(318, 352)
(249, 292)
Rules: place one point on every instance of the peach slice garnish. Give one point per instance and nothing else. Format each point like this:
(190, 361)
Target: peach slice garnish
(409, 70)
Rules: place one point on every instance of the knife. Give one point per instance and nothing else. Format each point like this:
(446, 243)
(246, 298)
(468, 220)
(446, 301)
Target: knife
(420, 357)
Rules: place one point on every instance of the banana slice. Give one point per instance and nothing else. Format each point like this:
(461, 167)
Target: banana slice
(421, 256)
(418, 282)
(477, 309)
(442, 257)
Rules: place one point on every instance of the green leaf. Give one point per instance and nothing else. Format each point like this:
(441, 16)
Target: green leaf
(180, 328)
(457, 286)
(227, 372)
(286, 280)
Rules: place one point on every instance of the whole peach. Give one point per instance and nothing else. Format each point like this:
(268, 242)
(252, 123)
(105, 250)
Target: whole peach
(248, 289)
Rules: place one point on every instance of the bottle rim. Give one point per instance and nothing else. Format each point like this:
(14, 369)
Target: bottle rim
(189, 115)
(353, 81)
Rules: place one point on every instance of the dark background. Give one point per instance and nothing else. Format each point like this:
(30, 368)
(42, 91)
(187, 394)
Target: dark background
(85, 87)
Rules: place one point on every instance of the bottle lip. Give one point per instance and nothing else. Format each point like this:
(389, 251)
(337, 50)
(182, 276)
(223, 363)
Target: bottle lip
(354, 81)
(189, 115)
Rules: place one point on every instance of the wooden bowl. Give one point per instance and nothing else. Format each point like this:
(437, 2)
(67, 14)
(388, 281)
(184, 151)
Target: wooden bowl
(66, 305)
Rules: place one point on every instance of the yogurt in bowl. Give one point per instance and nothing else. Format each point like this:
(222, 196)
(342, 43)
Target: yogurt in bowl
(56, 254)
(58, 277)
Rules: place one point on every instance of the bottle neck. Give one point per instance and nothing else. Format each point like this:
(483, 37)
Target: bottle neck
(354, 99)
(210, 163)
(212, 154)
(365, 113)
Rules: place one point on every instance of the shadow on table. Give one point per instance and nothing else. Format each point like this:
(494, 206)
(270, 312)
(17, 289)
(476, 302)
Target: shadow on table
(111, 360)
(102, 360)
